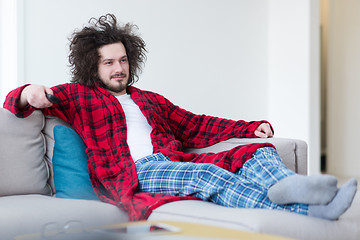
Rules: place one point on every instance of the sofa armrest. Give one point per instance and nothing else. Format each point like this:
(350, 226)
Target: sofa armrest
(23, 166)
(293, 152)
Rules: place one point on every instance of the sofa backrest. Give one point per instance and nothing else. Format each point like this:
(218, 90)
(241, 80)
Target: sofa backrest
(48, 132)
(26, 150)
(24, 167)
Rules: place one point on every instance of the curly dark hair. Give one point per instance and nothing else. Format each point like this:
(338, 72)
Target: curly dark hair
(84, 44)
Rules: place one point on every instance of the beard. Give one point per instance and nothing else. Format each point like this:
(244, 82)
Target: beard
(115, 88)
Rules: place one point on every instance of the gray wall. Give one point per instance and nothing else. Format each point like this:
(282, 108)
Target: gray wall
(343, 85)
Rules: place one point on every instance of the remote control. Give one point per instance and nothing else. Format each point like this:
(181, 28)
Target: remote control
(53, 98)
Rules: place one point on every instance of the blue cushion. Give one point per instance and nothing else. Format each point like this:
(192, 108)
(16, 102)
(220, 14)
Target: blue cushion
(70, 165)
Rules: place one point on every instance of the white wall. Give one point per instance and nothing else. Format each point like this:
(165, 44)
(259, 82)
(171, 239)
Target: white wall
(8, 47)
(202, 54)
(343, 111)
(294, 75)
(248, 59)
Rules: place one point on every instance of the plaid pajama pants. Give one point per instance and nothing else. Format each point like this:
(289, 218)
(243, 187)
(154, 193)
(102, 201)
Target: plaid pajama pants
(244, 189)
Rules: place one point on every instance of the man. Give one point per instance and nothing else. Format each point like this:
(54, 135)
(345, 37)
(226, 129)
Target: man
(134, 138)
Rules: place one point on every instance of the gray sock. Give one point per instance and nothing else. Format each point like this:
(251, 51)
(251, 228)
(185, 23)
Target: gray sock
(341, 202)
(317, 189)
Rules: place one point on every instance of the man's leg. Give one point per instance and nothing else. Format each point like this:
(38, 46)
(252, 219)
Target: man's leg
(340, 203)
(283, 185)
(156, 173)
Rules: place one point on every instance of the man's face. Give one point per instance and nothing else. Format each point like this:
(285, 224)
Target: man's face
(113, 68)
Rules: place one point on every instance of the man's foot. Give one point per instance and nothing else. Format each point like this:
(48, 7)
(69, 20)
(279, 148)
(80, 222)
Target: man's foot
(341, 202)
(317, 189)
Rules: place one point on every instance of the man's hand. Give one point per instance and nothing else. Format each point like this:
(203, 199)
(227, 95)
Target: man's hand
(35, 95)
(264, 131)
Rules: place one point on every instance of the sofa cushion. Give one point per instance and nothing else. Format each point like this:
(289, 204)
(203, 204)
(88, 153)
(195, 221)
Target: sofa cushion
(23, 167)
(287, 224)
(70, 165)
(21, 215)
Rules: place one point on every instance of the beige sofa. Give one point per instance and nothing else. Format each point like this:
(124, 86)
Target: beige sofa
(27, 201)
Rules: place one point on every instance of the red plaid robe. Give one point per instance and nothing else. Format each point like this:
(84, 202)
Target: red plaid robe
(98, 118)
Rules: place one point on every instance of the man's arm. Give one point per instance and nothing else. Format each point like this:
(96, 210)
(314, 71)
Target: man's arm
(264, 131)
(35, 96)
(23, 100)
(201, 131)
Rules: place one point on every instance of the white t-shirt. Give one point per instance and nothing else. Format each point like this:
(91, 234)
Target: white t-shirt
(138, 129)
